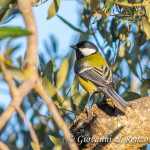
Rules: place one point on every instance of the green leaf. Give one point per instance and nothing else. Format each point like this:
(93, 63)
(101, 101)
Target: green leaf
(131, 96)
(123, 50)
(130, 62)
(16, 73)
(71, 60)
(49, 71)
(42, 63)
(128, 11)
(54, 43)
(4, 6)
(12, 32)
(55, 140)
(7, 12)
(147, 80)
(53, 9)
(94, 4)
(146, 26)
(34, 146)
(143, 148)
(125, 17)
(19, 61)
(58, 147)
(117, 65)
(143, 89)
(9, 51)
(83, 101)
(131, 66)
(51, 90)
(75, 95)
(119, 83)
(148, 12)
(75, 87)
(62, 73)
(109, 6)
(47, 47)
(49, 87)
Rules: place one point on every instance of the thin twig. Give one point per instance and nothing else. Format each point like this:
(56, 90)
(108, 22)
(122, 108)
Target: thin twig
(117, 52)
(7, 77)
(31, 130)
(56, 116)
(17, 93)
(22, 91)
(122, 82)
(93, 33)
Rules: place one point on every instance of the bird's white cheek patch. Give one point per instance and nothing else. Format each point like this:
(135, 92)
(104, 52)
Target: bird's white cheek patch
(87, 51)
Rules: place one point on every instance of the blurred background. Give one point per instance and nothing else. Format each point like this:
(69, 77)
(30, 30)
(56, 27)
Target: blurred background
(117, 31)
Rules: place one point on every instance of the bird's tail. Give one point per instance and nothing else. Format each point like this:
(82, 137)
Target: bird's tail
(114, 96)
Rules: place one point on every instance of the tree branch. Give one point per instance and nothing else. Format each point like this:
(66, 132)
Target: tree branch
(31, 130)
(7, 76)
(56, 116)
(113, 128)
(3, 146)
(33, 80)
(22, 91)
(129, 4)
(25, 8)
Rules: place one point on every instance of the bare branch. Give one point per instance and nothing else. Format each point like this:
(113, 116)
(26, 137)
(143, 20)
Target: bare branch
(22, 91)
(108, 127)
(129, 4)
(3, 146)
(56, 116)
(32, 132)
(25, 8)
(7, 77)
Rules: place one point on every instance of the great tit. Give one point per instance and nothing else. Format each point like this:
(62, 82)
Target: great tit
(94, 73)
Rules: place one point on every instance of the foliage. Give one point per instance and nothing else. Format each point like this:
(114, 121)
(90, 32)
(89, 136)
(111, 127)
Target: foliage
(53, 8)
(125, 32)
(12, 32)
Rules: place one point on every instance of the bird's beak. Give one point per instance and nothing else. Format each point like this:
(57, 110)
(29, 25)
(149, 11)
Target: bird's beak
(74, 47)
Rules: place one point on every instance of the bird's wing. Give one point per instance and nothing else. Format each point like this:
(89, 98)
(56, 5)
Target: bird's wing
(102, 77)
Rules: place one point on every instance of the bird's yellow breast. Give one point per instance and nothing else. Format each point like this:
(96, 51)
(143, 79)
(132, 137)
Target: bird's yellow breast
(88, 85)
(92, 60)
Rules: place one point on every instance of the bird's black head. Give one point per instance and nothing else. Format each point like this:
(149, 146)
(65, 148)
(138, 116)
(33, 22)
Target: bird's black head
(84, 48)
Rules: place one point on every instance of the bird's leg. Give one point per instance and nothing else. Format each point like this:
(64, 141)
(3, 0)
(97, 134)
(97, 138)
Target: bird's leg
(86, 109)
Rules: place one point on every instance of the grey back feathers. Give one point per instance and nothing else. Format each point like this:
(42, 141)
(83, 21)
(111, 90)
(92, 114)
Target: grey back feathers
(114, 96)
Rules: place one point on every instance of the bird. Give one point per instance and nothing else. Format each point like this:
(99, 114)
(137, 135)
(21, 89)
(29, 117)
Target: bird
(94, 73)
